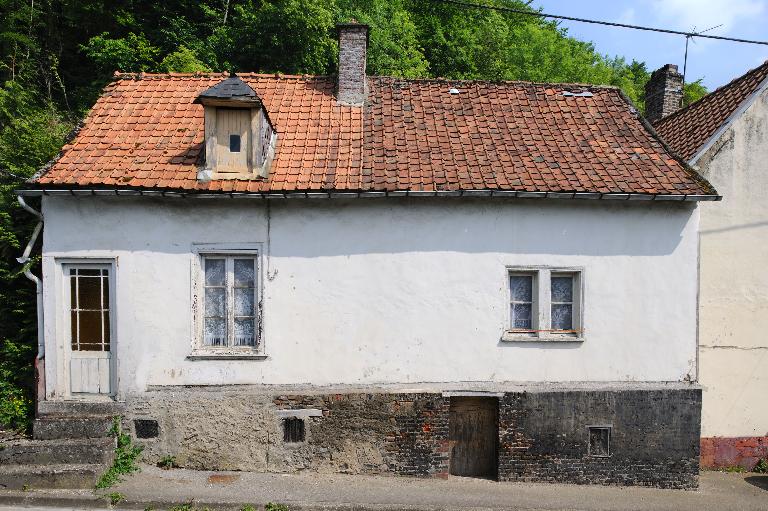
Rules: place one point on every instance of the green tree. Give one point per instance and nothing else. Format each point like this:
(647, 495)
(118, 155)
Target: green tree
(693, 91)
(30, 135)
(182, 60)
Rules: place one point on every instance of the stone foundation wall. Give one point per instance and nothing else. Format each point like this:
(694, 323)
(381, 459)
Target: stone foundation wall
(654, 438)
(543, 436)
(356, 433)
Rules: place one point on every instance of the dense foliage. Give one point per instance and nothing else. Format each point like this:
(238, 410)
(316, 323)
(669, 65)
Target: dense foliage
(55, 55)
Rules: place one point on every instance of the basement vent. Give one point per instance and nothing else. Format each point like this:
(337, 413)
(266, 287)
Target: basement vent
(293, 430)
(146, 428)
(600, 441)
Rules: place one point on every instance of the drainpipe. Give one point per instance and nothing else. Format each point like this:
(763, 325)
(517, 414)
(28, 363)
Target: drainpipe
(34, 278)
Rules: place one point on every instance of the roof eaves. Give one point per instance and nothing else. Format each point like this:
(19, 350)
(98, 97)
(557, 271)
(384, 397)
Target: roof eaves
(355, 194)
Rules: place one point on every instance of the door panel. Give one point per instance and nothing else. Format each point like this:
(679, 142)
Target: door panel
(473, 435)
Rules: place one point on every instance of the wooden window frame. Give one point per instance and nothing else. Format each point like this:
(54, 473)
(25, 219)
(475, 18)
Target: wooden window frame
(542, 305)
(230, 252)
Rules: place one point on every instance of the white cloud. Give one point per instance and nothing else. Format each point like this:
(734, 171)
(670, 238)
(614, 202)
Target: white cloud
(628, 16)
(703, 14)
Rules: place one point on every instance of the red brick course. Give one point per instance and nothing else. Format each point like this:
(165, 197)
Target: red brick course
(723, 452)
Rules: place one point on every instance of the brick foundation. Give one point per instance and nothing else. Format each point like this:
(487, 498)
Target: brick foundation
(724, 452)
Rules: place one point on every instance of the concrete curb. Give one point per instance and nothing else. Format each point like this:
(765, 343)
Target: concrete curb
(31, 498)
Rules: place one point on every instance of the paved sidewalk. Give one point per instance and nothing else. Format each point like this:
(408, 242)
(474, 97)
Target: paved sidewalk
(162, 489)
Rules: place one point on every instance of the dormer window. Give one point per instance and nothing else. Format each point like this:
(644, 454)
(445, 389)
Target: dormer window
(239, 137)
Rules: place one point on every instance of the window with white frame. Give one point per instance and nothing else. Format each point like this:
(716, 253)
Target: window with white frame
(544, 303)
(230, 301)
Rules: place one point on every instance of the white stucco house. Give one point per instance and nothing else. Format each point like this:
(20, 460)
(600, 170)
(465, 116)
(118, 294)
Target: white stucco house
(725, 137)
(370, 274)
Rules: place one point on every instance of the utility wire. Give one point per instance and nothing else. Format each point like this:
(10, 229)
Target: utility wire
(596, 22)
(8, 173)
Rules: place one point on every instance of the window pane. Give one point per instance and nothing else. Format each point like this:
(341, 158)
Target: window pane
(215, 302)
(73, 327)
(521, 316)
(90, 327)
(214, 272)
(89, 293)
(215, 332)
(562, 316)
(106, 330)
(105, 292)
(244, 332)
(244, 301)
(88, 272)
(522, 288)
(234, 143)
(245, 274)
(562, 289)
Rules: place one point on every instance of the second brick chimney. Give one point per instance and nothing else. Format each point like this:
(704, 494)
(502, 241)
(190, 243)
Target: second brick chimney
(352, 87)
(663, 93)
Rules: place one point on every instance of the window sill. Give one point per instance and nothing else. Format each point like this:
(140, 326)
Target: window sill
(510, 336)
(226, 354)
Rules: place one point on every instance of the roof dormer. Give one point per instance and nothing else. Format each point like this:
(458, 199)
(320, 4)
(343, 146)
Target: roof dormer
(239, 137)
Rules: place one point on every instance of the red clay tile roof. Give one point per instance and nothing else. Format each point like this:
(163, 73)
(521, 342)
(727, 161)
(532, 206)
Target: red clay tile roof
(412, 135)
(688, 129)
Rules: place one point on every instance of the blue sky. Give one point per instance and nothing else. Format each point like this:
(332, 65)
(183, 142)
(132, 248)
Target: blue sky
(717, 62)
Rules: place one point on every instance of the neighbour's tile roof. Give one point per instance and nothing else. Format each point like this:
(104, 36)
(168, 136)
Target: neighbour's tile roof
(412, 135)
(689, 129)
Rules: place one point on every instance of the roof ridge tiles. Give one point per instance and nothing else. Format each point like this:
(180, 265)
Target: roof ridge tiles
(120, 75)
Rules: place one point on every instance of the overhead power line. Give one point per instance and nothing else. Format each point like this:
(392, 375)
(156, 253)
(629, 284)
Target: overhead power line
(597, 22)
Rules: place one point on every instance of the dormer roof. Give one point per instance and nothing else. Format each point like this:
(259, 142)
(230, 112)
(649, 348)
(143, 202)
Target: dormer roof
(233, 89)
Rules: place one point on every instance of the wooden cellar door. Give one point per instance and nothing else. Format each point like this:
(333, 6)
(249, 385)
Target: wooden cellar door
(473, 431)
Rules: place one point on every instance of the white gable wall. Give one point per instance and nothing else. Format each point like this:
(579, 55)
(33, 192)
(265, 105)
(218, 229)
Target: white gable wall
(388, 290)
(734, 280)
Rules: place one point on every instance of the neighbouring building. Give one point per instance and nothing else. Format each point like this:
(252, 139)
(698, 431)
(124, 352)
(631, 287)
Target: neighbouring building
(377, 275)
(725, 137)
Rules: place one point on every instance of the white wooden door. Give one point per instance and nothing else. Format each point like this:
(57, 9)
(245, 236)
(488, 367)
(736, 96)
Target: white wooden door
(89, 295)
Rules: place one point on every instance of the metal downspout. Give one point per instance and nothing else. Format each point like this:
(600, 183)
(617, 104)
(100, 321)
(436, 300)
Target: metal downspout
(34, 278)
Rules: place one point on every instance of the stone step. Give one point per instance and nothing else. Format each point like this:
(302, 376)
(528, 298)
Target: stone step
(43, 452)
(79, 408)
(56, 428)
(20, 477)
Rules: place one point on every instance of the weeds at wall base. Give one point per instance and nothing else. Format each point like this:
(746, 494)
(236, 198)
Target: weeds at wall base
(126, 455)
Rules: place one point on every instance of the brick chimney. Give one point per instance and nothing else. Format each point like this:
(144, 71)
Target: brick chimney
(663, 93)
(352, 86)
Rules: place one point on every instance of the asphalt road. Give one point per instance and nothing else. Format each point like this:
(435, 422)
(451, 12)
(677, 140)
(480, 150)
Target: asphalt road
(230, 490)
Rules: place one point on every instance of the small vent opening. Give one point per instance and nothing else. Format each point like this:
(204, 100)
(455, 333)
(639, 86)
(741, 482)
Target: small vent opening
(293, 430)
(146, 428)
(600, 441)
